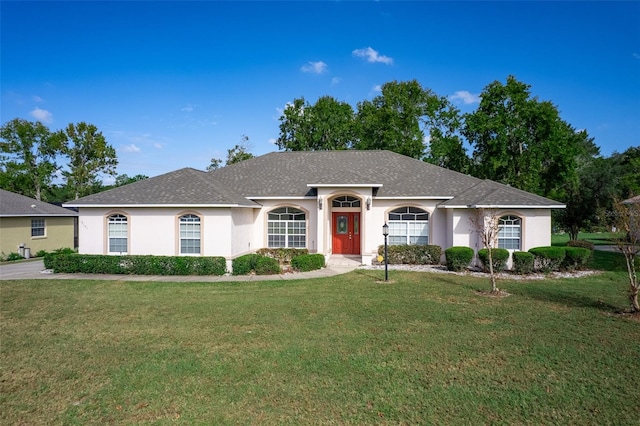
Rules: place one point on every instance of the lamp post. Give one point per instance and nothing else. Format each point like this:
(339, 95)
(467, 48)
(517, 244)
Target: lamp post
(385, 232)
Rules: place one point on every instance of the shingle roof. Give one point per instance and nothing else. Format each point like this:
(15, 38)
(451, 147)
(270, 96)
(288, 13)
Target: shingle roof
(289, 173)
(16, 205)
(493, 194)
(294, 174)
(182, 187)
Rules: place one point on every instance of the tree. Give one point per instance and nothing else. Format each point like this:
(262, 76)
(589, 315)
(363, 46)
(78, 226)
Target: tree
(587, 195)
(487, 226)
(523, 142)
(89, 155)
(238, 153)
(326, 125)
(28, 153)
(124, 179)
(393, 120)
(627, 219)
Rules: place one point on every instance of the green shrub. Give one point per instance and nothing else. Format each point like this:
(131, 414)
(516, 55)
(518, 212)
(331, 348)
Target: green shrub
(458, 258)
(282, 255)
(580, 243)
(547, 259)
(412, 254)
(499, 256)
(41, 253)
(523, 262)
(65, 262)
(308, 262)
(267, 266)
(576, 258)
(14, 256)
(244, 265)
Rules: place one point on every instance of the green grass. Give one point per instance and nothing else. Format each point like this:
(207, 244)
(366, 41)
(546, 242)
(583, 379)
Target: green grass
(424, 349)
(597, 238)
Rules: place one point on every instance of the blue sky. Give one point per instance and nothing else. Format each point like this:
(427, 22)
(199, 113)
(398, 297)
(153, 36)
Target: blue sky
(173, 84)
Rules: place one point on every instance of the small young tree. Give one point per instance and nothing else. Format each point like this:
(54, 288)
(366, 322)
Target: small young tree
(486, 224)
(627, 219)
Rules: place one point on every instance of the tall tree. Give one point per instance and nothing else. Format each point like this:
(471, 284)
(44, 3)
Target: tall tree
(523, 142)
(238, 153)
(89, 155)
(393, 120)
(28, 157)
(326, 125)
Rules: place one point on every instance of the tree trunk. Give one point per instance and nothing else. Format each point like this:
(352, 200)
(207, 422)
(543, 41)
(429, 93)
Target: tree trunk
(629, 256)
(494, 287)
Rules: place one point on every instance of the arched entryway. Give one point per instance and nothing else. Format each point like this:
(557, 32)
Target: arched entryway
(346, 225)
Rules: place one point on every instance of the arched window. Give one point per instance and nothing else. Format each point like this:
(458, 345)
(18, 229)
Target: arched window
(118, 234)
(345, 201)
(509, 232)
(287, 227)
(189, 234)
(408, 225)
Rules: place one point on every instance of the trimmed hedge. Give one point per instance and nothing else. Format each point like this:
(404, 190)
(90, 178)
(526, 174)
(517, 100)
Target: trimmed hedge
(308, 262)
(458, 258)
(523, 262)
(576, 258)
(499, 256)
(412, 254)
(260, 265)
(135, 265)
(581, 243)
(282, 255)
(547, 259)
(267, 266)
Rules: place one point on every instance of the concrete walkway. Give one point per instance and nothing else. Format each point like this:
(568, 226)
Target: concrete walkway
(34, 270)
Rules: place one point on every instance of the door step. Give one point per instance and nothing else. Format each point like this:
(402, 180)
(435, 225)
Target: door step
(345, 260)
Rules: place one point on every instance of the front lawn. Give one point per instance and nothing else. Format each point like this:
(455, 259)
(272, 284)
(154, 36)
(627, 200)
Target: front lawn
(597, 238)
(425, 349)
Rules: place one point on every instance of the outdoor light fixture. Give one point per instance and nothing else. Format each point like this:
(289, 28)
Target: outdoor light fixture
(368, 203)
(319, 203)
(385, 232)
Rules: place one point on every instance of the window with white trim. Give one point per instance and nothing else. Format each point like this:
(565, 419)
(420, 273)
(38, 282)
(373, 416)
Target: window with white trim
(190, 234)
(287, 227)
(345, 201)
(37, 227)
(509, 232)
(117, 229)
(408, 225)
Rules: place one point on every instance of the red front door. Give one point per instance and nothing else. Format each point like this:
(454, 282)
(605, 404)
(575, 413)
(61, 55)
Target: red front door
(346, 233)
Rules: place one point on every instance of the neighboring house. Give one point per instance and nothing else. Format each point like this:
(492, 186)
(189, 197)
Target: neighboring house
(330, 202)
(34, 224)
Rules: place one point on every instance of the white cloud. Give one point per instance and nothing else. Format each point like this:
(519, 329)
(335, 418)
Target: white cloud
(42, 115)
(335, 81)
(37, 98)
(371, 55)
(314, 67)
(466, 97)
(377, 88)
(158, 145)
(188, 108)
(636, 55)
(273, 141)
(130, 148)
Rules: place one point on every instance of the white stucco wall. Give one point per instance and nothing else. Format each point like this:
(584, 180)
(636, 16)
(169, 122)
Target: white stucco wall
(231, 232)
(155, 230)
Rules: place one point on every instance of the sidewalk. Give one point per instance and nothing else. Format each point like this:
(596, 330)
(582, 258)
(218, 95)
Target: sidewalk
(34, 270)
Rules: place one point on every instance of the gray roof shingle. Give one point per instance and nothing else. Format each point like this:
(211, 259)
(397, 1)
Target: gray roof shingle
(16, 205)
(493, 194)
(181, 187)
(293, 174)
